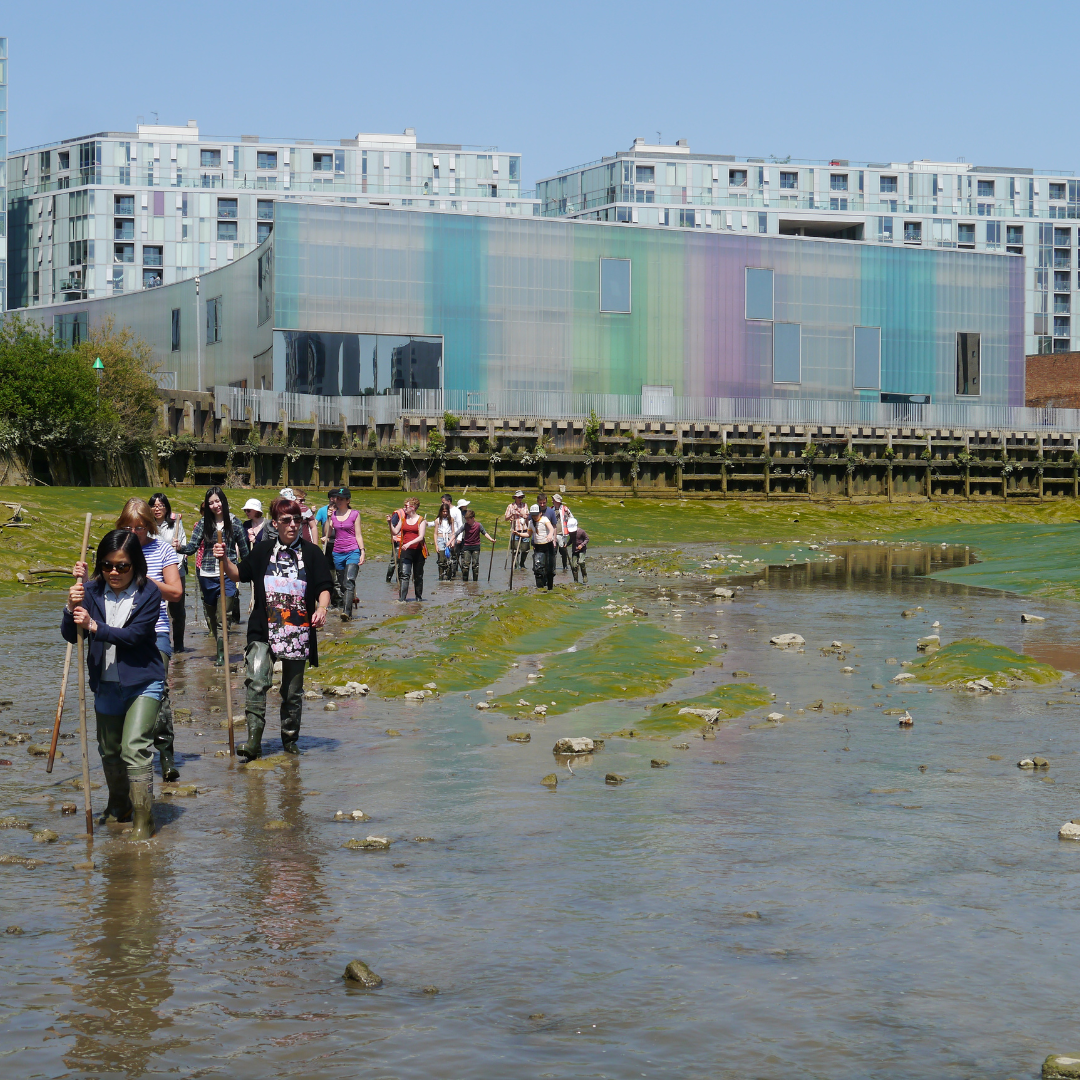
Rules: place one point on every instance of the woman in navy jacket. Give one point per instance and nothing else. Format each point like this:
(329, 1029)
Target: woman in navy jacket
(117, 610)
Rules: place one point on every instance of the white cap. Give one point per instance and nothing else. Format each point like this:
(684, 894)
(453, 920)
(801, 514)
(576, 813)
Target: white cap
(287, 493)
(519, 494)
(571, 524)
(534, 509)
(556, 498)
(253, 504)
(462, 502)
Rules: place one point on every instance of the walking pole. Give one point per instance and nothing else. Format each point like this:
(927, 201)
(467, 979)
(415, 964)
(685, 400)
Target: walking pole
(59, 709)
(82, 703)
(225, 645)
(492, 559)
(512, 561)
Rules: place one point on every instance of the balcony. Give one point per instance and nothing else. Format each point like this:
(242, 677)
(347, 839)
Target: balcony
(125, 230)
(226, 208)
(152, 257)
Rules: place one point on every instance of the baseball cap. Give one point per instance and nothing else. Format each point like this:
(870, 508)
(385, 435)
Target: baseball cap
(253, 504)
(534, 509)
(340, 493)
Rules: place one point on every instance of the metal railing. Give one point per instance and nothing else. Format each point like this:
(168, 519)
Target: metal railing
(268, 406)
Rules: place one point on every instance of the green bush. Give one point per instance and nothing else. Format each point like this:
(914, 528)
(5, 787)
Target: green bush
(450, 421)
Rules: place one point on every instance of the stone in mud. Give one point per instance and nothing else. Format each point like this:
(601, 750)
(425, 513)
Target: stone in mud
(904, 676)
(724, 594)
(1061, 1067)
(68, 808)
(698, 648)
(359, 972)
(276, 825)
(928, 643)
(519, 736)
(1025, 617)
(415, 695)
(783, 641)
(1033, 763)
(431, 686)
(19, 860)
(877, 686)
(541, 710)
(659, 763)
(40, 750)
(614, 778)
(12, 822)
(369, 843)
(482, 705)
(574, 746)
(551, 780)
(179, 791)
(740, 674)
(329, 707)
(349, 689)
(423, 840)
(775, 717)
(352, 815)
(640, 611)
(1070, 830)
(710, 716)
(45, 836)
(88, 864)
(680, 746)
(312, 695)
(264, 764)
(14, 930)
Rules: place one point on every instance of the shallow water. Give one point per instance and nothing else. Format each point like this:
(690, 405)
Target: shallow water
(910, 924)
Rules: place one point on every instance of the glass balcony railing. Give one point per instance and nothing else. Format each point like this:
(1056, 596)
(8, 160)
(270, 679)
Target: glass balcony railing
(226, 211)
(124, 230)
(152, 258)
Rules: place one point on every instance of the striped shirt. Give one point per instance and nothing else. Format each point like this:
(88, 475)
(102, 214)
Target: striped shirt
(159, 555)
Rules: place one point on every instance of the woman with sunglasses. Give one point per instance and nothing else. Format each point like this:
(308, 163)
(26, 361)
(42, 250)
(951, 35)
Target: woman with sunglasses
(118, 610)
(291, 583)
(170, 528)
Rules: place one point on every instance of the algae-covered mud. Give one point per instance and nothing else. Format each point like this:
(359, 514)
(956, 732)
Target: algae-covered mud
(758, 871)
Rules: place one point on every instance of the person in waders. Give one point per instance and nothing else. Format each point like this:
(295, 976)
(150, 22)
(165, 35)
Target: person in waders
(171, 531)
(343, 528)
(470, 546)
(410, 533)
(561, 515)
(444, 541)
(291, 585)
(215, 512)
(118, 610)
(542, 534)
(517, 513)
(578, 543)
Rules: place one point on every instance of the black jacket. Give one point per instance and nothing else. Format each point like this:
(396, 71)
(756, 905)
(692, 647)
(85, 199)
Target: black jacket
(137, 657)
(253, 568)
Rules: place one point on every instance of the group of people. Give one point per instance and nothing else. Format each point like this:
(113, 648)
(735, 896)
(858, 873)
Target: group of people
(298, 563)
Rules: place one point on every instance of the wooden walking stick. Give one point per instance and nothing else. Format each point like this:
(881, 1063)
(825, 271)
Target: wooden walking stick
(493, 539)
(82, 701)
(225, 645)
(59, 708)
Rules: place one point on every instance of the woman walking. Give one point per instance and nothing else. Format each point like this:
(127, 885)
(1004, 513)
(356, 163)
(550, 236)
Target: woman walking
(444, 542)
(256, 523)
(409, 533)
(291, 585)
(470, 546)
(119, 609)
(542, 534)
(343, 527)
(215, 512)
(579, 543)
(171, 532)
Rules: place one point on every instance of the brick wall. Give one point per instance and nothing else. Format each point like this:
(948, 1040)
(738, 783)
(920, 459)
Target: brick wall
(1054, 380)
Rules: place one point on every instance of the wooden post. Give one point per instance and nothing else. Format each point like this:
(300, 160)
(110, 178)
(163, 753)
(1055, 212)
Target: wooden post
(225, 644)
(967, 466)
(82, 702)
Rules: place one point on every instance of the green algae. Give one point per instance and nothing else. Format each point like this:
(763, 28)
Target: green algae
(976, 658)
(732, 700)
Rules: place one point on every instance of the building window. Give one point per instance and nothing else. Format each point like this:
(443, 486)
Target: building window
(1062, 281)
(986, 189)
(339, 162)
(124, 205)
(322, 162)
(967, 364)
(152, 255)
(63, 160)
(267, 159)
(226, 230)
(263, 230)
(515, 168)
(838, 182)
(887, 184)
(1062, 259)
(265, 210)
(123, 229)
(763, 223)
(123, 253)
(885, 230)
(615, 285)
(1062, 237)
(736, 177)
(1014, 234)
(151, 278)
(867, 358)
(759, 294)
(687, 219)
(646, 174)
(993, 234)
(213, 320)
(227, 208)
(787, 353)
(838, 204)
(965, 234)
(1061, 326)
(789, 180)
(175, 329)
(912, 232)
(1061, 303)
(210, 159)
(1057, 191)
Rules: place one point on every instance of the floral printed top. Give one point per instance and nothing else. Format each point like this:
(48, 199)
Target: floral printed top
(285, 582)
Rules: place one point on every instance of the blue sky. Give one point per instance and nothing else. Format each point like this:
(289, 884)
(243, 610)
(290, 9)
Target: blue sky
(565, 84)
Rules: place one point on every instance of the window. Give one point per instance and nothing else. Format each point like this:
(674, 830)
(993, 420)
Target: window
(646, 174)
(1062, 258)
(1062, 281)
(787, 353)
(763, 223)
(1061, 303)
(967, 364)
(789, 180)
(912, 232)
(687, 219)
(152, 255)
(965, 233)
(123, 229)
(175, 329)
(63, 160)
(515, 168)
(1014, 234)
(339, 162)
(615, 285)
(838, 182)
(263, 229)
(267, 159)
(993, 234)
(226, 230)
(1057, 191)
(1062, 237)
(124, 253)
(986, 189)
(887, 184)
(265, 210)
(759, 294)
(1061, 326)
(213, 320)
(226, 208)
(151, 278)
(884, 229)
(124, 205)
(838, 204)
(210, 159)
(322, 162)
(736, 177)
(867, 358)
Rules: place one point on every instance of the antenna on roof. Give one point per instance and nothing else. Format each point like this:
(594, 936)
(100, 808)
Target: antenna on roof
(659, 141)
(155, 116)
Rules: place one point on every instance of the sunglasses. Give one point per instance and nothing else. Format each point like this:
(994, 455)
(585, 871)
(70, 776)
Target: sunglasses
(115, 567)
(288, 519)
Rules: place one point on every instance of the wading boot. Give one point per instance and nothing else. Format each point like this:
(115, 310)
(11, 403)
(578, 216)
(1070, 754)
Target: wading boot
(118, 807)
(232, 609)
(349, 591)
(252, 749)
(142, 807)
(220, 659)
(584, 576)
(169, 771)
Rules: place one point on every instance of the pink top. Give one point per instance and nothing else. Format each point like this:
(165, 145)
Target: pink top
(345, 533)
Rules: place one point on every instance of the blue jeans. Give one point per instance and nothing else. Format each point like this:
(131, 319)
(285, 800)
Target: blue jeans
(114, 699)
(346, 558)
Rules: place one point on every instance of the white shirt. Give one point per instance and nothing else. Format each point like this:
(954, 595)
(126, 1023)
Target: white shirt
(117, 612)
(458, 519)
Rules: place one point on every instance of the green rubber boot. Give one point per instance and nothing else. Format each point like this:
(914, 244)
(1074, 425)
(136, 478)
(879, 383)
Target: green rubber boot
(142, 805)
(118, 807)
(220, 659)
(252, 749)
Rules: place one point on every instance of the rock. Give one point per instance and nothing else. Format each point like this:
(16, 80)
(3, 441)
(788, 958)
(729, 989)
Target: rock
(714, 637)
(639, 611)
(431, 686)
(775, 717)
(846, 670)
(928, 643)
(277, 825)
(68, 808)
(349, 689)
(312, 695)
(904, 676)
(983, 686)
(393, 733)
(329, 707)
(1025, 617)
(45, 836)
(680, 746)
(784, 641)
(180, 791)
(429, 989)
(1061, 1067)
(541, 710)
(14, 930)
(40, 750)
(88, 864)
(574, 746)
(724, 594)
(1070, 830)
(710, 716)
(19, 860)
(423, 840)
(359, 972)
(906, 614)
(519, 736)
(536, 1016)
(698, 648)
(935, 624)
(369, 843)
(906, 720)
(415, 695)
(877, 686)
(1041, 763)
(1033, 763)
(12, 822)
(740, 674)
(614, 778)
(659, 763)
(482, 705)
